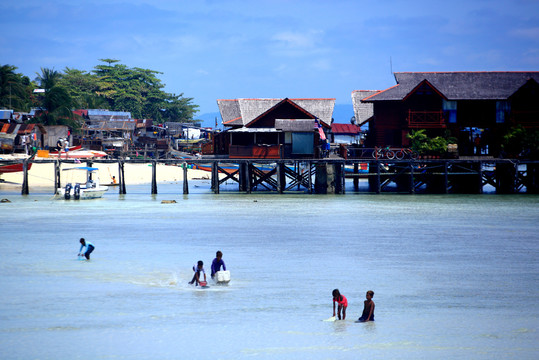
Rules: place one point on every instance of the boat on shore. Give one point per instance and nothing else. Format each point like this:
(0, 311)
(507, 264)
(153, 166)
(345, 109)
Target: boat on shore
(91, 189)
(15, 166)
(62, 151)
(11, 168)
(78, 153)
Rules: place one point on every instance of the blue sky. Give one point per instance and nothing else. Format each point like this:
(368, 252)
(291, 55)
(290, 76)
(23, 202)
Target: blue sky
(223, 49)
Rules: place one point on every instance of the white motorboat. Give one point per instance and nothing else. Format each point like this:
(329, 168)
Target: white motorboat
(91, 189)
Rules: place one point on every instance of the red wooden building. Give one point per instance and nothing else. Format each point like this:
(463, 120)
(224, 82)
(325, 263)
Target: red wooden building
(274, 128)
(474, 107)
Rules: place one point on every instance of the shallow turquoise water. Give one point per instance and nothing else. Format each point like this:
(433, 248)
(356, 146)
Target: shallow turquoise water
(454, 276)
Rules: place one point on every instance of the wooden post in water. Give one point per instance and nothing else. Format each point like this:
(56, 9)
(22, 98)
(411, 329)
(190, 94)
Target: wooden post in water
(185, 180)
(280, 185)
(412, 183)
(154, 177)
(446, 177)
(215, 176)
(249, 174)
(310, 178)
(24, 190)
(378, 180)
(121, 175)
(343, 177)
(56, 176)
(296, 170)
(356, 176)
(241, 176)
(480, 177)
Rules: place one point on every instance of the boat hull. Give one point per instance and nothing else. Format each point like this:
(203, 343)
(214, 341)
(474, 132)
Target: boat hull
(85, 194)
(13, 168)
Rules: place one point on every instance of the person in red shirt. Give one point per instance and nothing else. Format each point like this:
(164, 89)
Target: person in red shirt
(343, 304)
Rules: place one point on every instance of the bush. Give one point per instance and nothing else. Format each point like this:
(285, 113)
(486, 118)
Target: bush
(423, 145)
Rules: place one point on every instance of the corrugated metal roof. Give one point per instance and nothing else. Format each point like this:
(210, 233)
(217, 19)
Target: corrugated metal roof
(254, 130)
(128, 125)
(101, 112)
(345, 129)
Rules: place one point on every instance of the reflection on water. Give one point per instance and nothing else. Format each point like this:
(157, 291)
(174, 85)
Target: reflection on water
(443, 268)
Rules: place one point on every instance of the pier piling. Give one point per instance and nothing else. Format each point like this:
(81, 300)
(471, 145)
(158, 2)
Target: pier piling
(25, 190)
(185, 180)
(154, 177)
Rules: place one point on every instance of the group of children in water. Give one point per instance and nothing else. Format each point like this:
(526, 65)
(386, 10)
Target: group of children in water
(342, 304)
(216, 265)
(339, 301)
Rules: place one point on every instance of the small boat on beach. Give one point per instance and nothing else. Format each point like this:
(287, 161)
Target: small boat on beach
(61, 152)
(91, 189)
(11, 168)
(78, 154)
(15, 166)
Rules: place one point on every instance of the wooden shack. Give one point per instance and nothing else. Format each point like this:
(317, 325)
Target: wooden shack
(275, 128)
(477, 108)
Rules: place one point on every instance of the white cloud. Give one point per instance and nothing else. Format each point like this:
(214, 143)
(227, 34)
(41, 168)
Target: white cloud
(297, 43)
(528, 33)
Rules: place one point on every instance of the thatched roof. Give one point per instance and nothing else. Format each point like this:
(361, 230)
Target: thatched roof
(362, 111)
(494, 85)
(239, 112)
(305, 125)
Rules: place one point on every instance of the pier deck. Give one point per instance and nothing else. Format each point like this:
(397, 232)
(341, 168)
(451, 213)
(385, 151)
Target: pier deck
(323, 176)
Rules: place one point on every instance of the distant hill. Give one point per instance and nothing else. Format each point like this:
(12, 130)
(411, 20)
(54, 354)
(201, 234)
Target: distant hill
(342, 113)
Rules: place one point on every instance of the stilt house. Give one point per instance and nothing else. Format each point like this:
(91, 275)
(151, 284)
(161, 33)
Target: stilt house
(477, 108)
(275, 128)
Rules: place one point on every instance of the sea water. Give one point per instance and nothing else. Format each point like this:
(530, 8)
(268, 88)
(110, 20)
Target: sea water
(454, 276)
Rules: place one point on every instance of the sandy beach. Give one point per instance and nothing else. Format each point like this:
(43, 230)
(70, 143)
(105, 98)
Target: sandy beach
(43, 174)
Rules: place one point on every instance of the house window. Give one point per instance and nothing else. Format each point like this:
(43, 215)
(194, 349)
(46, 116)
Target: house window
(303, 143)
(502, 110)
(450, 108)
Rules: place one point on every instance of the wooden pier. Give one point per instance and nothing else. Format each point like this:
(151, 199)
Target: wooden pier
(329, 176)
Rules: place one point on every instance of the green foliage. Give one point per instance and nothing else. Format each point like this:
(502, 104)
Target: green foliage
(140, 91)
(15, 89)
(55, 103)
(424, 145)
(520, 142)
(110, 85)
(82, 86)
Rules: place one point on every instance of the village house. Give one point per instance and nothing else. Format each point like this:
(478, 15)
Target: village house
(274, 128)
(346, 134)
(476, 108)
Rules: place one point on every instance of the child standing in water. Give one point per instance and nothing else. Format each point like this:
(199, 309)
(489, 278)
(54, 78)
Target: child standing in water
(89, 248)
(217, 263)
(368, 308)
(198, 268)
(343, 304)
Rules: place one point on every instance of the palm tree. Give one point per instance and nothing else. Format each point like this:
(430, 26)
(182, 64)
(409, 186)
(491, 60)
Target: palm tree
(48, 78)
(56, 103)
(12, 89)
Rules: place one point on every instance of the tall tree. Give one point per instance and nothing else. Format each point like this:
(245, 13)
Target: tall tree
(56, 104)
(140, 91)
(48, 78)
(14, 89)
(82, 87)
